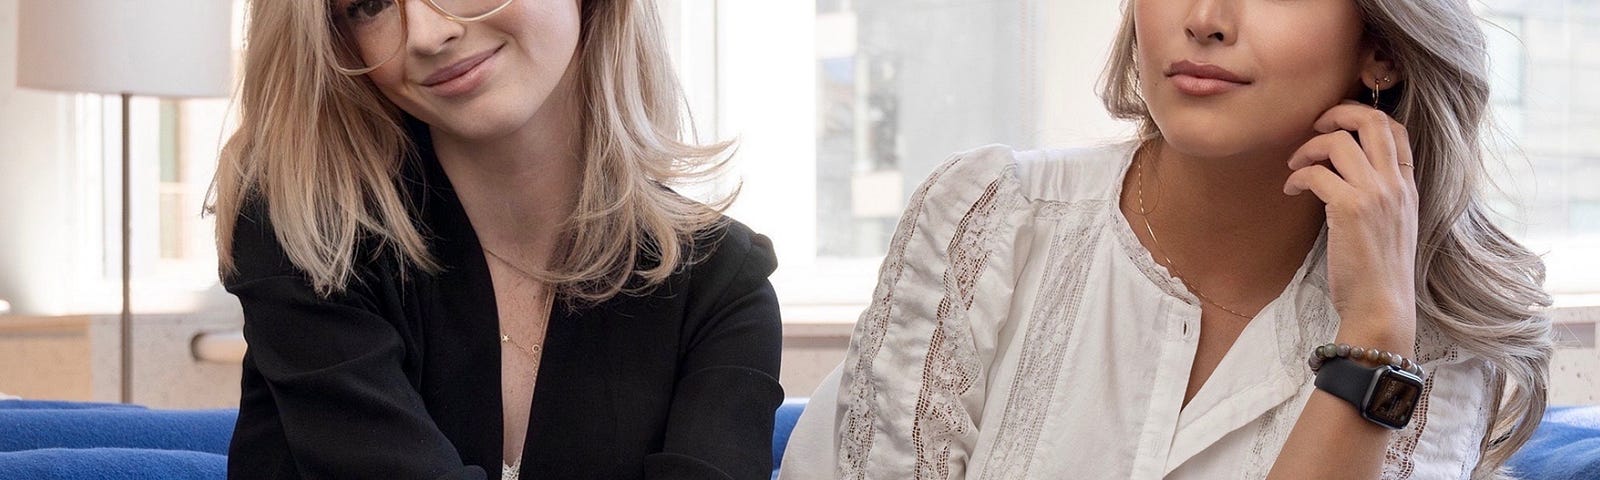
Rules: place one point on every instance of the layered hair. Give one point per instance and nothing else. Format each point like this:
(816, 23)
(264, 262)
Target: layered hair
(1475, 284)
(324, 151)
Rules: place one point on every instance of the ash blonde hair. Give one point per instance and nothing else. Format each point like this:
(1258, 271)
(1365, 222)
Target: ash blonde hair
(323, 151)
(1475, 283)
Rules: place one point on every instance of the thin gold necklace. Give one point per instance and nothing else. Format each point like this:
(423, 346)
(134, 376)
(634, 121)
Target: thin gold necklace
(549, 302)
(1145, 216)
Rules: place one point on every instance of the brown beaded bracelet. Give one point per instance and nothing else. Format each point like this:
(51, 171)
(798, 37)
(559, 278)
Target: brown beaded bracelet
(1369, 355)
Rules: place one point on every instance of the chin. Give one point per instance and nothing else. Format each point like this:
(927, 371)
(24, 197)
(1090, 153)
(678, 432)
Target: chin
(1209, 137)
(491, 121)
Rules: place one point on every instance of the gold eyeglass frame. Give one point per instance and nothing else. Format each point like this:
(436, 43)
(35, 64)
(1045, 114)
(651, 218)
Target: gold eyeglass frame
(403, 35)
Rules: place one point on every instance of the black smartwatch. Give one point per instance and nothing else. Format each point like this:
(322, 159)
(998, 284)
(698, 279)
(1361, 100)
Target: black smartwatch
(1384, 395)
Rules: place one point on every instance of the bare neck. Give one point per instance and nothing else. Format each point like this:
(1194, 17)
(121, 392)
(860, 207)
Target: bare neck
(1224, 221)
(519, 189)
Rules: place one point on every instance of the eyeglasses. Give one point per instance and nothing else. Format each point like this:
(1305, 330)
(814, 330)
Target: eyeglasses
(368, 33)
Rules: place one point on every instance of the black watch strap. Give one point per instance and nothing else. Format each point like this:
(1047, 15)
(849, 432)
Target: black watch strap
(1346, 379)
(1383, 395)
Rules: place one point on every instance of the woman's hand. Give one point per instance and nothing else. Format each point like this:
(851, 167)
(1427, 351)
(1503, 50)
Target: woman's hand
(1371, 197)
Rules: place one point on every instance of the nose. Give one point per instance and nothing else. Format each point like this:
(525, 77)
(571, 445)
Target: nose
(427, 32)
(1212, 22)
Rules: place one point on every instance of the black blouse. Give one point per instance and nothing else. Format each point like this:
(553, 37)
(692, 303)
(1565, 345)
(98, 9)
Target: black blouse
(398, 377)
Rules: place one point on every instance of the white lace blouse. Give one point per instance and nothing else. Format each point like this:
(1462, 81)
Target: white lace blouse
(1020, 330)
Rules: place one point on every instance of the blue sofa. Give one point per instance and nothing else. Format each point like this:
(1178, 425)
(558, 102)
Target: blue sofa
(64, 440)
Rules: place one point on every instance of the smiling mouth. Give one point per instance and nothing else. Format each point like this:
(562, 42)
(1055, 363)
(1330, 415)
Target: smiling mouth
(457, 69)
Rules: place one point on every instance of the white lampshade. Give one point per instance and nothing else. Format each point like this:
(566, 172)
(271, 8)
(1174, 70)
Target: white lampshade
(164, 48)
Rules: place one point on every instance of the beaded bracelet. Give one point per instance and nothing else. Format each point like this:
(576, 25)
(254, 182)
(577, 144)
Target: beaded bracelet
(1370, 355)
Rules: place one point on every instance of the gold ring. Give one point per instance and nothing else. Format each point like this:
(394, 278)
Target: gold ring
(1407, 165)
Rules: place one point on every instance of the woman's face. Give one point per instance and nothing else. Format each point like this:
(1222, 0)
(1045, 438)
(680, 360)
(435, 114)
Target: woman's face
(1231, 77)
(478, 80)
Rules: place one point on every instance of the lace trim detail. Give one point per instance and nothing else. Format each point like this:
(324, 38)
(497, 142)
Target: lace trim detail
(1141, 258)
(1432, 344)
(511, 472)
(951, 366)
(1045, 345)
(856, 432)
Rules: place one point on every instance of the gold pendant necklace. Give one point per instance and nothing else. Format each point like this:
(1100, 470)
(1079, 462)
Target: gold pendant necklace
(549, 303)
(533, 350)
(1145, 216)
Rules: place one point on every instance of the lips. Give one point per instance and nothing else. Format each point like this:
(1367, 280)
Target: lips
(1204, 79)
(457, 69)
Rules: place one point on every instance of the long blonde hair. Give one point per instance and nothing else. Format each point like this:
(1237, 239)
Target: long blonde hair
(1476, 284)
(323, 151)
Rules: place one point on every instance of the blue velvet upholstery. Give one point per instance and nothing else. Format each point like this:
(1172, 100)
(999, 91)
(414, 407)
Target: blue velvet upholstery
(53, 440)
(193, 430)
(1566, 446)
(111, 464)
(788, 413)
(59, 405)
(68, 441)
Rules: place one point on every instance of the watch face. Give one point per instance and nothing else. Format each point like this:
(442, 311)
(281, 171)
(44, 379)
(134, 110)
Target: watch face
(1394, 397)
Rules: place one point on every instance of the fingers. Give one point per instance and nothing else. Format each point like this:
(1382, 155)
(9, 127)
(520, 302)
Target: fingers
(1340, 149)
(1403, 149)
(1321, 181)
(1378, 139)
(1351, 176)
(1386, 162)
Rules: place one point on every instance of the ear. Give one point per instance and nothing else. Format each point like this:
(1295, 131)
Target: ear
(1378, 70)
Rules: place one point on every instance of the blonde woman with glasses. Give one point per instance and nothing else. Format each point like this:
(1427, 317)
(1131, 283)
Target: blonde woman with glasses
(449, 225)
(1290, 273)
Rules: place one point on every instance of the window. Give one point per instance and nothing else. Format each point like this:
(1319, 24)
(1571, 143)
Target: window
(174, 146)
(1546, 85)
(172, 187)
(901, 87)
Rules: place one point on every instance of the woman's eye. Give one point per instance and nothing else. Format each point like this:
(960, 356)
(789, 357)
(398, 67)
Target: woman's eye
(362, 11)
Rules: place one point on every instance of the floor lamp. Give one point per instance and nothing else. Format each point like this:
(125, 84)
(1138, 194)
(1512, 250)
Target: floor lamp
(162, 48)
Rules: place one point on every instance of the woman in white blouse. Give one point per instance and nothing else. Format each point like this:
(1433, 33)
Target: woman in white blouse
(1307, 173)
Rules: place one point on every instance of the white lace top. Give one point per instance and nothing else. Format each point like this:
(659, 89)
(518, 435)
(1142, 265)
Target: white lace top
(1020, 330)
